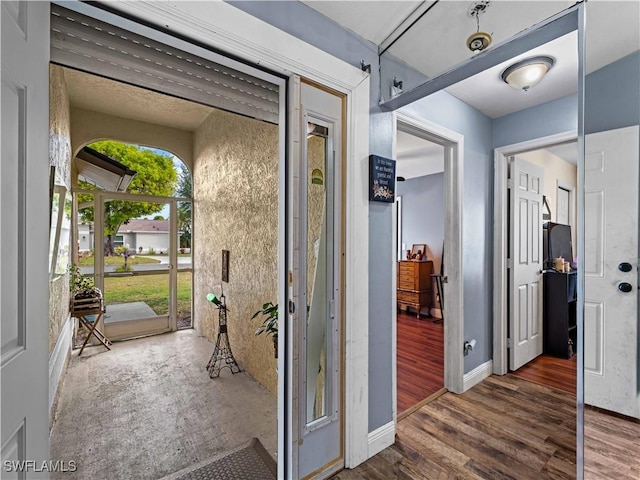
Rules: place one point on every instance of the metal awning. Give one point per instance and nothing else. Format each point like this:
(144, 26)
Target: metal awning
(90, 45)
(103, 171)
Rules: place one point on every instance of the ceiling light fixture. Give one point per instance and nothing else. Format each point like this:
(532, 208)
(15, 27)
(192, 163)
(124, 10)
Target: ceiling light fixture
(527, 73)
(478, 41)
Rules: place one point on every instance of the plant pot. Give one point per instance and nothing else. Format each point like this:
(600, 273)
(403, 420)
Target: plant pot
(85, 303)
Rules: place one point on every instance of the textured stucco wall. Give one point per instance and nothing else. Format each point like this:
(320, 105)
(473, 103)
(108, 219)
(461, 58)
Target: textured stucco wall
(235, 190)
(60, 157)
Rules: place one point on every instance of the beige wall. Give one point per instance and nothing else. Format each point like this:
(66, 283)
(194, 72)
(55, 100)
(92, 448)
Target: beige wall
(60, 157)
(556, 170)
(235, 189)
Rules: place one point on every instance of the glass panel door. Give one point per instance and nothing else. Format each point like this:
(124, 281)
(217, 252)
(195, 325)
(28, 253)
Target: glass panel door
(138, 249)
(319, 320)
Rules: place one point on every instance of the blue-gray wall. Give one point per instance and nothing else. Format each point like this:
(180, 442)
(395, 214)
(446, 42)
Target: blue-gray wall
(612, 95)
(423, 214)
(477, 216)
(540, 121)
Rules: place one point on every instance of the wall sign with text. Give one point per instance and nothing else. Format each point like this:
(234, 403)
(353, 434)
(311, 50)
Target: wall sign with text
(382, 179)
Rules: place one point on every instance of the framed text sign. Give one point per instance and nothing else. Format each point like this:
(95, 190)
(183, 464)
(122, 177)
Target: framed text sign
(382, 179)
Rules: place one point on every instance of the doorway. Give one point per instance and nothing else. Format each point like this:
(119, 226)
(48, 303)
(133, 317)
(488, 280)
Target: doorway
(445, 356)
(420, 223)
(539, 333)
(142, 298)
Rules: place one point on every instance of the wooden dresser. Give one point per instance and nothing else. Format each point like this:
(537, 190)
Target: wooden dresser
(414, 284)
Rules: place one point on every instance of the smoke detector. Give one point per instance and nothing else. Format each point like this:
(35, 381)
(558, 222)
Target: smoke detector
(478, 41)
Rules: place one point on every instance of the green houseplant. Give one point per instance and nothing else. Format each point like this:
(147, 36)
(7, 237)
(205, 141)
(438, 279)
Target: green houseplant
(84, 293)
(269, 325)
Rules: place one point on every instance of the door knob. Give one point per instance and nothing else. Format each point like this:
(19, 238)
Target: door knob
(625, 267)
(625, 287)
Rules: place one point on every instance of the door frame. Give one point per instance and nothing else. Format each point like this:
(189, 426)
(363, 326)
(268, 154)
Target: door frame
(231, 31)
(453, 144)
(100, 198)
(501, 238)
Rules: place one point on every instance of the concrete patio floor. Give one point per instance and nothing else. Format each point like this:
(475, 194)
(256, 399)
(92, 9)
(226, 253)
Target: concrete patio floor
(148, 408)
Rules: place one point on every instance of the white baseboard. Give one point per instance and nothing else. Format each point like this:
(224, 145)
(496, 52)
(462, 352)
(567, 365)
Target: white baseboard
(58, 358)
(381, 438)
(477, 375)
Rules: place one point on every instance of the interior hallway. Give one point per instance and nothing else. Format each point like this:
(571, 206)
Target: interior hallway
(148, 408)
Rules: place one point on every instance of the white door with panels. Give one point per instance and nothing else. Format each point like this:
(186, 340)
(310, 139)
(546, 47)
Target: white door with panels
(315, 297)
(611, 271)
(24, 207)
(525, 262)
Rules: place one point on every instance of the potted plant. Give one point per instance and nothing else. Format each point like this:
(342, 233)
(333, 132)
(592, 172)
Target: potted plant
(84, 293)
(269, 324)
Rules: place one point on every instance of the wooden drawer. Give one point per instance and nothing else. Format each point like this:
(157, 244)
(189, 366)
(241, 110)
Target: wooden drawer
(407, 268)
(406, 282)
(409, 297)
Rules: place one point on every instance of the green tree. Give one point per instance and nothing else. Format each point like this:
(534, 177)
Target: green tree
(155, 176)
(185, 190)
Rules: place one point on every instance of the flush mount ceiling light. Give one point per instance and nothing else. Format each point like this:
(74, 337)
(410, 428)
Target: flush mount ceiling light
(527, 73)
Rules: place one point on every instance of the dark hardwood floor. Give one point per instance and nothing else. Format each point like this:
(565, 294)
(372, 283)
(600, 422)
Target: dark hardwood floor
(551, 372)
(503, 428)
(420, 353)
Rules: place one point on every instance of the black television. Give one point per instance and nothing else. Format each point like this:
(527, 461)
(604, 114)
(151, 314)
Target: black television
(556, 242)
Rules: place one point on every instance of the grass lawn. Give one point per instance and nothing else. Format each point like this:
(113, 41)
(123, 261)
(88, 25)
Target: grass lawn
(116, 260)
(152, 289)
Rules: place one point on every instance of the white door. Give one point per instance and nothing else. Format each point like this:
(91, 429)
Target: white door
(525, 274)
(611, 293)
(24, 232)
(315, 213)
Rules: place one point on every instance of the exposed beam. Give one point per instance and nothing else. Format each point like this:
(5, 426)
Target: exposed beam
(552, 28)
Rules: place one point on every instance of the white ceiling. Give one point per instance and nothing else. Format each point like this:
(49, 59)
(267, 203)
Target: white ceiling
(567, 151)
(438, 41)
(372, 20)
(497, 98)
(114, 98)
(416, 157)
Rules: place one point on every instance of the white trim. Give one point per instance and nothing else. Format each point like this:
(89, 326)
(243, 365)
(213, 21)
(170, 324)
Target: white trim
(501, 237)
(454, 298)
(435, 312)
(231, 30)
(381, 438)
(58, 359)
(356, 308)
(477, 375)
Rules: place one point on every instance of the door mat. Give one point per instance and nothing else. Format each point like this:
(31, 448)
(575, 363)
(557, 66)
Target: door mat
(249, 461)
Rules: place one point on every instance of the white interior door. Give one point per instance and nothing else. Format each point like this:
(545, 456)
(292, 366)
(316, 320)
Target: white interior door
(525, 274)
(24, 230)
(611, 287)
